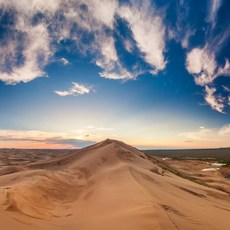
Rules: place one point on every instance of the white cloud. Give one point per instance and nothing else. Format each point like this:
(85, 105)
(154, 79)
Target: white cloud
(103, 10)
(122, 74)
(128, 45)
(226, 89)
(214, 6)
(64, 61)
(8, 55)
(225, 70)
(36, 54)
(90, 15)
(148, 31)
(181, 30)
(181, 34)
(30, 7)
(76, 89)
(25, 40)
(216, 102)
(185, 39)
(98, 20)
(109, 62)
(201, 63)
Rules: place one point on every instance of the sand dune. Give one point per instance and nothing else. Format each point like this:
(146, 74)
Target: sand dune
(109, 186)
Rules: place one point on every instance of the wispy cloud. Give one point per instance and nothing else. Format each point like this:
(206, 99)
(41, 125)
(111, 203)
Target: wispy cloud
(128, 45)
(64, 61)
(34, 48)
(215, 101)
(148, 30)
(76, 89)
(201, 63)
(226, 89)
(44, 138)
(214, 6)
(109, 61)
(180, 30)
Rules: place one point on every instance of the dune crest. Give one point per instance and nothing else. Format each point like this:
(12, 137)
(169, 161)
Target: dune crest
(109, 185)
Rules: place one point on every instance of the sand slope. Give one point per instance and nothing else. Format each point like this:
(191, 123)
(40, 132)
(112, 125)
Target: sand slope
(109, 185)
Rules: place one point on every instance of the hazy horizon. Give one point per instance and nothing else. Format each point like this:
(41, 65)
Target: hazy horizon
(138, 147)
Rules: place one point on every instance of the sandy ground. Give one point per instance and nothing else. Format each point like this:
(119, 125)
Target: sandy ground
(109, 186)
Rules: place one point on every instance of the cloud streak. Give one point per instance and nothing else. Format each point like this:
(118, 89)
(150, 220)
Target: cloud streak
(148, 31)
(215, 101)
(35, 50)
(213, 10)
(43, 138)
(75, 90)
(64, 61)
(201, 63)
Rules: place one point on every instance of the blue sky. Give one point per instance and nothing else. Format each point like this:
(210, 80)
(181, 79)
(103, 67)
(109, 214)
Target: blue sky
(154, 74)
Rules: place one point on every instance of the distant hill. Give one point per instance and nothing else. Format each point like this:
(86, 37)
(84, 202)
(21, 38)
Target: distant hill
(220, 153)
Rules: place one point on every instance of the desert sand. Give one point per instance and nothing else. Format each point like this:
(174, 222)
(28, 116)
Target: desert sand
(109, 186)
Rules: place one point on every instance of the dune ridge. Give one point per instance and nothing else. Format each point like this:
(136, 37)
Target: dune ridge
(109, 185)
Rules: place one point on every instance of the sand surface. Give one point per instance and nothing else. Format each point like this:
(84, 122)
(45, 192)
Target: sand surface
(109, 186)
